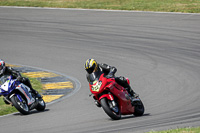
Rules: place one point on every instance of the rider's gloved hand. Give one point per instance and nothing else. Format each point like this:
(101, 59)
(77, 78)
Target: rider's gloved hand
(110, 76)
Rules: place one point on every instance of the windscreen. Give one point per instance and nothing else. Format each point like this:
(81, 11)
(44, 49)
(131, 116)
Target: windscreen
(3, 79)
(94, 77)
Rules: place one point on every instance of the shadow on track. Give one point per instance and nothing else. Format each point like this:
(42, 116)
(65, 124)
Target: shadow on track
(31, 112)
(124, 117)
(132, 116)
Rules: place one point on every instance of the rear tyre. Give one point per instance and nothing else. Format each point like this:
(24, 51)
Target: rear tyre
(22, 107)
(107, 107)
(139, 109)
(41, 105)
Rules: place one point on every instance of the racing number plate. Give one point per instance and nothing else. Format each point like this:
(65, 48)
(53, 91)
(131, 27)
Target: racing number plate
(96, 86)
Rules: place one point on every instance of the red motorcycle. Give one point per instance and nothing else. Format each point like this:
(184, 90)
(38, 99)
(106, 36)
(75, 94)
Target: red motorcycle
(113, 98)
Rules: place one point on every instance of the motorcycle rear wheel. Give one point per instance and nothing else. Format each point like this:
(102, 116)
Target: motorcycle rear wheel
(41, 105)
(22, 107)
(139, 109)
(108, 110)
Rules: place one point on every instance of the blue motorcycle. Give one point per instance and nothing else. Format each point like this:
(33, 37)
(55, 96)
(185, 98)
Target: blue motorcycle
(19, 95)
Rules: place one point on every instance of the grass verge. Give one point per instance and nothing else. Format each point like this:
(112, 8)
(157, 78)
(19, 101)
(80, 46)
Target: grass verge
(180, 130)
(7, 109)
(186, 6)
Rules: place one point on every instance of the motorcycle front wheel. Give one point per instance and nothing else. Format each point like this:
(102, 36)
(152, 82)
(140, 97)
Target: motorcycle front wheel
(108, 108)
(21, 106)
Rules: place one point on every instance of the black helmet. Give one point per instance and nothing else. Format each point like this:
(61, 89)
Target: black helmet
(91, 65)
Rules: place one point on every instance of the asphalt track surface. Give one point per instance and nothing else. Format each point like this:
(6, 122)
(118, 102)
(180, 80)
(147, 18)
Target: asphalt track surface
(159, 52)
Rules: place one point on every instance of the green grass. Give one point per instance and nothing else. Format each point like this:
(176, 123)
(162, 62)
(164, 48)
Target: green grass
(7, 109)
(187, 6)
(180, 130)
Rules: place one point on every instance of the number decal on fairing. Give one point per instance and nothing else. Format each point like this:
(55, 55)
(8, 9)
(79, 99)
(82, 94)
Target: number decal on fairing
(96, 86)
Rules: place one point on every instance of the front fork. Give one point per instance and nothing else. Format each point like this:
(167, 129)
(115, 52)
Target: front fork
(112, 104)
(18, 96)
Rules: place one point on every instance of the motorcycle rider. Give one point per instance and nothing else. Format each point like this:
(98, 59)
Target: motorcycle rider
(4, 70)
(92, 66)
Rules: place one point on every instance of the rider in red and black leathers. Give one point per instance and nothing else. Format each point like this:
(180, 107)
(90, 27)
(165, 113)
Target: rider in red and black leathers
(92, 66)
(4, 70)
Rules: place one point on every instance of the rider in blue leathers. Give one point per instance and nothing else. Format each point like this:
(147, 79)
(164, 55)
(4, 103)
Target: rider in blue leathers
(4, 70)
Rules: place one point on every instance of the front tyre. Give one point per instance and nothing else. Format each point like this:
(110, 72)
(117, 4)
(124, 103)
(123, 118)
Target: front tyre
(21, 106)
(108, 108)
(41, 105)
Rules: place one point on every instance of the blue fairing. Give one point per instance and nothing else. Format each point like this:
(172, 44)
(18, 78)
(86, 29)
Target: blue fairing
(12, 83)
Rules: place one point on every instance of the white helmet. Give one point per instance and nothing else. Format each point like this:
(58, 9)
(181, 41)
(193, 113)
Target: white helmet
(2, 67)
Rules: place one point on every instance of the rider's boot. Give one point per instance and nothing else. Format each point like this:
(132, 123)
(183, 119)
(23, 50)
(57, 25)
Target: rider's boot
(36, 93)
(5, 99)
(97, 103)
(134, 96)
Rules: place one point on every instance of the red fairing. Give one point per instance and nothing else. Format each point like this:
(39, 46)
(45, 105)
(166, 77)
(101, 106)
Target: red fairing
(108, 96)
(108, 88)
